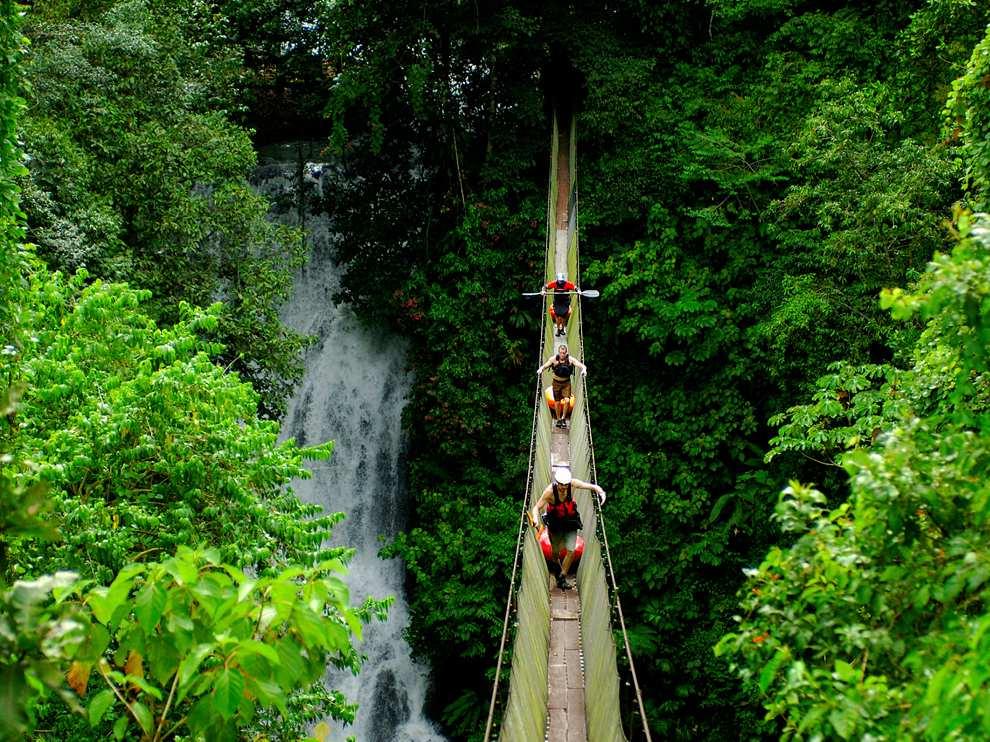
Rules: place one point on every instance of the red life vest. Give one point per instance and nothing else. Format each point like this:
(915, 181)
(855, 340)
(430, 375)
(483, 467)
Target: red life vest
(563, 513)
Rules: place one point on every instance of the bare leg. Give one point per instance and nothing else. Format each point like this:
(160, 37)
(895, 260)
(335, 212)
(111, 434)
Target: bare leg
(562, 575)
(566, 565)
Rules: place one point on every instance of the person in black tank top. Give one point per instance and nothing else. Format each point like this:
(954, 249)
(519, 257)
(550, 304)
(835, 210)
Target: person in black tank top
(557, 509)
(562, 364)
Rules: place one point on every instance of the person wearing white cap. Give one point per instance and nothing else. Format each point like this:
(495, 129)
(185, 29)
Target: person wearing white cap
(561, 517)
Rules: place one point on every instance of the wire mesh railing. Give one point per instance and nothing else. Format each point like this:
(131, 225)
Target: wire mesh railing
(525, 708)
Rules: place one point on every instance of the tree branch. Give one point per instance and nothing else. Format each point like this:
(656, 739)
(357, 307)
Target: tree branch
(168, 704)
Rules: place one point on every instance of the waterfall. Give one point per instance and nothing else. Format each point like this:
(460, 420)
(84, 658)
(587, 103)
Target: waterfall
(352, 392)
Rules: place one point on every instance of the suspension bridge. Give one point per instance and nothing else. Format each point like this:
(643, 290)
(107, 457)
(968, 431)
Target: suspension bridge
(564, 684)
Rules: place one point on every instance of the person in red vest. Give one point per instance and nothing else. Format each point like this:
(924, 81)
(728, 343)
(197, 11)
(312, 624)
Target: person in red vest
(560, 308)
(558, 511)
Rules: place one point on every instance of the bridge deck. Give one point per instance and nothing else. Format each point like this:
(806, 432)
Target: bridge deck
(565, 709)
(566, 705)
(566, 671)
(579, 682)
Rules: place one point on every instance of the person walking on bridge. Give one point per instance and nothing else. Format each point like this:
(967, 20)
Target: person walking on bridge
(558, 512)
(560, 308)
(562, 364)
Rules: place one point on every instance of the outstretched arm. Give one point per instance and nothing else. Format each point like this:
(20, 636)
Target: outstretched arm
(576, 362)
(545, 366)
(587, 486)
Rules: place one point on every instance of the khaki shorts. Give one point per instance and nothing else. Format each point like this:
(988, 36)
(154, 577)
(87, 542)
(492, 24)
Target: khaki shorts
(561, 389)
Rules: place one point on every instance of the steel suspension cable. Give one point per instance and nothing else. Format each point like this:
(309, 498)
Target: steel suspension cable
(598, 506)
(520, 538)
(505, 628)
(615, 586)
(515, 562)
(522, 520)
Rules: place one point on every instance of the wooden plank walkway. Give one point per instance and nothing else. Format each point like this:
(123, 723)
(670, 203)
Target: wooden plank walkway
(563, 194)
(559, 449)
(565, 710)
(566, 705)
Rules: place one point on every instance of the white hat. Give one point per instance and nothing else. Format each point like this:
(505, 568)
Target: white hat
(562, 474)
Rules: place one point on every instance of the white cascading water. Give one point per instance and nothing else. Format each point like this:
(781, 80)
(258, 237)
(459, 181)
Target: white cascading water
(352, 392)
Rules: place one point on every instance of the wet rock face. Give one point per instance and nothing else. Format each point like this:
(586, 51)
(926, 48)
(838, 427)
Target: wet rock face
(353, 392)
(391, 706)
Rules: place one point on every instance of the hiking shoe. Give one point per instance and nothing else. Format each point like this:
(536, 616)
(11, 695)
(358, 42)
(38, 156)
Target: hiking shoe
(562, 582)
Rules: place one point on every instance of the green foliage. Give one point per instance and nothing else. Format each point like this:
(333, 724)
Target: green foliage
(761, 218)
(145, 445)
(468, 482)
(187, 646)
(851, 407)
(968, 114)
(21, 506)
(739, 9)
(138, 174)
(129, 439)
(751, 176)
(11, 228)
(37, 642)
(284, 80)
(200, 634)
(874, 623)
(865, 211)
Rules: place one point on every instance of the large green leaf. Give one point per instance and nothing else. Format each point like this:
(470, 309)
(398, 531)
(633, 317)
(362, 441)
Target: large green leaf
(228, 690)
(98, 706)
(149, 604)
